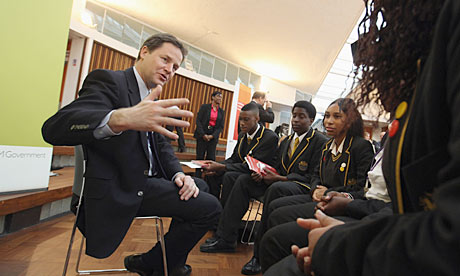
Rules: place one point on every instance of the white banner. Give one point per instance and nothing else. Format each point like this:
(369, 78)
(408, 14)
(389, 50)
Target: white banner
(24, 168)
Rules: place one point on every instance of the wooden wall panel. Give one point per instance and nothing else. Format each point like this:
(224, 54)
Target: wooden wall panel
(198, 93)
(104, 57)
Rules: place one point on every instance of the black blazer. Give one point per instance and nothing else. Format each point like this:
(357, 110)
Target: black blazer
(265, 116)
(262, 147)
(357, 155)
(202, 122)
(421, 166)
(305, 159)
(116, 168)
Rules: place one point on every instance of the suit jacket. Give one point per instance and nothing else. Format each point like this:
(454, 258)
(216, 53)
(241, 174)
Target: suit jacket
(265, 116)
(301, 166)
(421, 166)
(202, 122)
(356, 158)
(117, 167)
(262, 148)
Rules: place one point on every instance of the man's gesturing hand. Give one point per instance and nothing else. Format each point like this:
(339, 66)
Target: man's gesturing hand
(150, 115)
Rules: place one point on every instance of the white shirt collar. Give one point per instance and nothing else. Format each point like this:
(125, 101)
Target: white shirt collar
(143, 90)
(336, 151)
(253, 134)
(300, 137)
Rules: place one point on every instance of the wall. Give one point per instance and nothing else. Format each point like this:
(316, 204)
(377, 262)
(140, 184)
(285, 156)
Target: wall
(32, 66)
(35, 39)
(278, 92)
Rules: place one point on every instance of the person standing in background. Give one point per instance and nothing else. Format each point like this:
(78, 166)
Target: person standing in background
(179, 131)
(266, 114)
(209, 125)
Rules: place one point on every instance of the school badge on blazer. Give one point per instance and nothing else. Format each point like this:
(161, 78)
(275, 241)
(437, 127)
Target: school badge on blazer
(303, 165)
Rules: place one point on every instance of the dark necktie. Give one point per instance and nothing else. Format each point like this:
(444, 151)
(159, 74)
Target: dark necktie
(152, 151)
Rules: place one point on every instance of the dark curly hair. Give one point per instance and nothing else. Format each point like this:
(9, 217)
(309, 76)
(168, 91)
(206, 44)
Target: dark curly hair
(393, 36)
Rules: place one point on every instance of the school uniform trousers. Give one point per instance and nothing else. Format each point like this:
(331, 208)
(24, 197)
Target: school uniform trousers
(298, 167)
(238, 187)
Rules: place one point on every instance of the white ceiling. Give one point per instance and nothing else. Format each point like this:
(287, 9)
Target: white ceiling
(293, 41)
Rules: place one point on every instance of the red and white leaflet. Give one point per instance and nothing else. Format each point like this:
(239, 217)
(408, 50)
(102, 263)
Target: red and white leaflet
(259, 166)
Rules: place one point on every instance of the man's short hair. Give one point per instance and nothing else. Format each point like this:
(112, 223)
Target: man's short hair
(156, 41)
(251, 107)
(308, 106)
(258, 95)
(215, 93)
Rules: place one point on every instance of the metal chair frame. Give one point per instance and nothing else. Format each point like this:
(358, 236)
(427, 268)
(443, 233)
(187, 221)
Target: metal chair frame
(258, 213)
(159, 232)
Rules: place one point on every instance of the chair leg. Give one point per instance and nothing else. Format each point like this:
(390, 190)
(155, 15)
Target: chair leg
(160, 239)
(251, 204)
(254, 225)
(69, 249)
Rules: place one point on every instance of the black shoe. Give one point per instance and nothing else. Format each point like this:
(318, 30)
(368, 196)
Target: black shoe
(219, 245)
(252, 267)
(134, 263)
(212, 239)
(185, 270)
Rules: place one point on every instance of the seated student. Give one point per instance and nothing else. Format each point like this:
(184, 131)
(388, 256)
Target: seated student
(375, 201)
(420, 88)
(298, 156)
(254, 140)
(343, 166)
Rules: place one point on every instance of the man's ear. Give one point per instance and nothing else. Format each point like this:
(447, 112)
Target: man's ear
(144, 50)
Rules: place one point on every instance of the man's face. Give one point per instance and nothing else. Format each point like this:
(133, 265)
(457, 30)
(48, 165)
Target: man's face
(300, 120)
(159, 66)
(248, 121)
(260, 100)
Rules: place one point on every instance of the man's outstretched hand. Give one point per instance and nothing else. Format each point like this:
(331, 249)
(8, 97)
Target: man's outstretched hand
(151, 115)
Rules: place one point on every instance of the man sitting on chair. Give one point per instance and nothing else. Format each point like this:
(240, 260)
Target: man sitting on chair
(131, 169)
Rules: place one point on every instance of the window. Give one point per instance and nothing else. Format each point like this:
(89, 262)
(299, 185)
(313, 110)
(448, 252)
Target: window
(113, 26)
(132, 33)
(207, 62)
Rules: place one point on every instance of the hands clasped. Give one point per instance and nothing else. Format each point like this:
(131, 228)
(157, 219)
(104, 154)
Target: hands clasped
(317, 227)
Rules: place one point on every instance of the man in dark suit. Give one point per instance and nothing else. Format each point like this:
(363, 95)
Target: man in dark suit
(298, 156)
(131, 169)
(238, 188)
(266, 115)
(209, 125)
